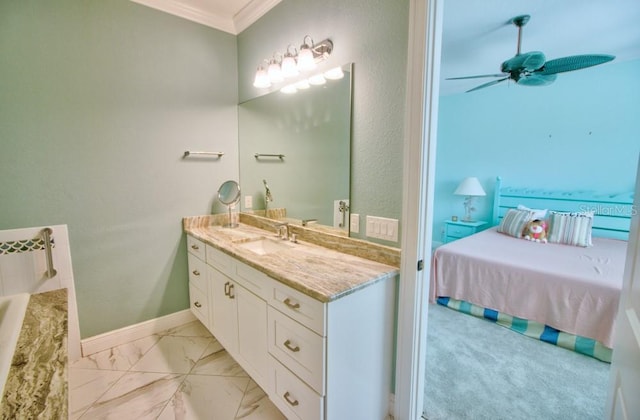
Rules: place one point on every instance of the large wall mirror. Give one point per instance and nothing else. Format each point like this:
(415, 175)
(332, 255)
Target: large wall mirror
(297, 146)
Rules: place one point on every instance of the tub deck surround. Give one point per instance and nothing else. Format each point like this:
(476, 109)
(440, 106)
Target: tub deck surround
(325, 272)
(37, 383)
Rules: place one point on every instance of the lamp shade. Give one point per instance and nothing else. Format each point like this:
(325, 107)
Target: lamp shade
(470, 187)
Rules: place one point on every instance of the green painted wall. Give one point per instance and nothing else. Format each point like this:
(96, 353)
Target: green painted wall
(98, 102)
(373, 35)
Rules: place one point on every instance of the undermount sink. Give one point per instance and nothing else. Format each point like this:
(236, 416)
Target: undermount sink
(264, 246)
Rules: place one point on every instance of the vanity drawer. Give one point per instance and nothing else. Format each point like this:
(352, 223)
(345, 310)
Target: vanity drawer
(298, 348)
(304, 309)
(292, 396)
(198, 304)
(221, 261)
(255, 281)
(197, 272)
(195, 246)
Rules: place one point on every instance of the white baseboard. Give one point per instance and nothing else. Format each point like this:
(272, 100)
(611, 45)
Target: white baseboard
(130, 333)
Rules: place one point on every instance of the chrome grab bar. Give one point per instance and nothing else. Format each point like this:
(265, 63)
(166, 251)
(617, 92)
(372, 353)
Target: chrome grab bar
(46, 234)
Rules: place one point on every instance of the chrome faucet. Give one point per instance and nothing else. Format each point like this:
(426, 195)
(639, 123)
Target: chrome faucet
(305, 222)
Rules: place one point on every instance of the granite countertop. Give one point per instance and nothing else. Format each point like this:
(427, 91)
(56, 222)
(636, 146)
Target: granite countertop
(37, 386)
(317, 271)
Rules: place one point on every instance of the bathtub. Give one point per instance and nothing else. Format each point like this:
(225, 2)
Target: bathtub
(12, 310)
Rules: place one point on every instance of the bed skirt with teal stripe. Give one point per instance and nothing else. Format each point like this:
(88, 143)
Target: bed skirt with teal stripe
(583, 345)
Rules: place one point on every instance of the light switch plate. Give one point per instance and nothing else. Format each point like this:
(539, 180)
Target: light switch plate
(382, 228)
(248, 202)
(354, 225)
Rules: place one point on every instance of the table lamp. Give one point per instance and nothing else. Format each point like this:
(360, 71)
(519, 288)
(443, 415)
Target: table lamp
(470, 187)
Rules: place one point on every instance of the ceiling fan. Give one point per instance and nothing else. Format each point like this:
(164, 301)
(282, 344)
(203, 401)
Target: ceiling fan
(531, 69)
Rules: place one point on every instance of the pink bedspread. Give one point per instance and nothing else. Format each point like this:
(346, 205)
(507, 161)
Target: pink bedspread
(570, 288)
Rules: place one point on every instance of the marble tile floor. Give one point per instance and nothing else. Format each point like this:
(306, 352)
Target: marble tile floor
(182, 373)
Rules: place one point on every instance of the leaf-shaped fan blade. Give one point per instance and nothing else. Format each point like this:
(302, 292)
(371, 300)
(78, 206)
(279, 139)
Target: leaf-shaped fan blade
(495, 82)
(537, 79)
(574, 62)
(476, 77)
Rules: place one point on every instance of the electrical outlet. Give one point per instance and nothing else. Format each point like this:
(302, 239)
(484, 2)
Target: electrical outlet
(382, 228)
(248, 202)
(354, 225)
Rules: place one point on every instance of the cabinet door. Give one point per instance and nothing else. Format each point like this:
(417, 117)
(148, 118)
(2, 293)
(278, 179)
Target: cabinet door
(252, 335)
(224, 317)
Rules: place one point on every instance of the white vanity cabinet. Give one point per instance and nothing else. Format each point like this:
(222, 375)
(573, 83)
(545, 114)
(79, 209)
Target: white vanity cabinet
(239, 312)
(198, 284)
(332, 360)
(316, 360)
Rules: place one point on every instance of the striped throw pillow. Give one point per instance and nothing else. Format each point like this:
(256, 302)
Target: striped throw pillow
(571, 228)
(514, 222)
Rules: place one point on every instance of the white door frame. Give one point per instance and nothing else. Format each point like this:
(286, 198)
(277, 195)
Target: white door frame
(423, 74)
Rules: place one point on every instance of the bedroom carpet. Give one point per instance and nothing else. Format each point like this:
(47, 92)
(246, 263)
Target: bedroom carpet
(480, 370)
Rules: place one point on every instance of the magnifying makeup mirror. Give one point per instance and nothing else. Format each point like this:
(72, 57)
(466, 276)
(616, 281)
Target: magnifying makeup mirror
(229, 194)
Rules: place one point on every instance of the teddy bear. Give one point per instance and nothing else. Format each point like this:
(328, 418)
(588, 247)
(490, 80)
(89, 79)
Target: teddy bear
(536, 230)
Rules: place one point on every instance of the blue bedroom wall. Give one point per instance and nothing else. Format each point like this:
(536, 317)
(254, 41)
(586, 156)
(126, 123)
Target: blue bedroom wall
(580, 133)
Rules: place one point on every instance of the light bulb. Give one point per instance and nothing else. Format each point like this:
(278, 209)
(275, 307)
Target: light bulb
(274, 72)
(334, 73)
(317, 79)
(305, 59)
(289, 67)
(262, 79)
(289, 89)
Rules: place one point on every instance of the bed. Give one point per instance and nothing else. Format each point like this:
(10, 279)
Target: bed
(564, 294)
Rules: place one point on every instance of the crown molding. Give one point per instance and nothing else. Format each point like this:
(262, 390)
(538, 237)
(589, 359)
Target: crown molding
(231, 24)
(252, 12)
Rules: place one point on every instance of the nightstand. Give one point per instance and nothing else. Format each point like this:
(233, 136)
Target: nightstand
(457, 230)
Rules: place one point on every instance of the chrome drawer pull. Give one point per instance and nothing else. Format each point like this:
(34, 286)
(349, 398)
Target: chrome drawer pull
(196, 272)
(287, 302)
(196, 247)
(295, 349)
(226, 289)
(231, 295)
(197, 304)
(290, 401)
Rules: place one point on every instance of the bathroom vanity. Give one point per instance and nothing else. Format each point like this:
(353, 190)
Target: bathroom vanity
(313, 326)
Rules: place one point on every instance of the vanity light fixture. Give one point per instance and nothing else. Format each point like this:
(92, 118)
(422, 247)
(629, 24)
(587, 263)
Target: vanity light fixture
(317, 79)
(273, 71)
(289, 89)
(262, 78)
(335, 73)
(306, 61)
(293, 62)
(289, 65)
(302, 84)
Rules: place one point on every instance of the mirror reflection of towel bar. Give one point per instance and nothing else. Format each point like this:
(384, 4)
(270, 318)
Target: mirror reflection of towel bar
(259, 155)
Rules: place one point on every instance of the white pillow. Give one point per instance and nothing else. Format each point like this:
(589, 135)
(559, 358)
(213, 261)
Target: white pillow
(539, 214)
